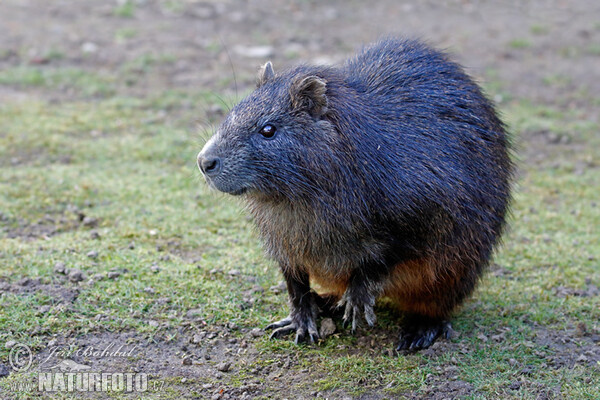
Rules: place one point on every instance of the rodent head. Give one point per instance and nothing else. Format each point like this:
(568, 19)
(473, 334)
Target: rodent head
(270, 142)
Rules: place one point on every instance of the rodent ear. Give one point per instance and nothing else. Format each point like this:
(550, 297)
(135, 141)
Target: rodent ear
(309, 93)
(264, 74)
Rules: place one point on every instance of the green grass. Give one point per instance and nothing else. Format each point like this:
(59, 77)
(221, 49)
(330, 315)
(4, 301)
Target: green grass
(114, 160)
(538, 29)
(519, 43)
(61, 79)
(125, 9)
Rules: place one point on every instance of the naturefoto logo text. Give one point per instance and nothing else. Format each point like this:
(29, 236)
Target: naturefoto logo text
(58, 372)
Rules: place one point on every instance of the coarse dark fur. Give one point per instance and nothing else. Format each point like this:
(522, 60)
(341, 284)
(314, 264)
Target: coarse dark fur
(387, 176)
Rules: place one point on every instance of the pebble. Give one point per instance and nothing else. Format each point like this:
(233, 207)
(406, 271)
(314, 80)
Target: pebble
(254, 51)
(281, 286)
(149, 290)
(224, 366)
(256, 332)
(89, 47)
(197, 338)
(60, 268)
(24, 282)
(327, 328)
(113, 274)
(75, 275)
(44, 309)
(92, 254)
(186, 361)
(90, 222)
(194, 312)
(10, 344)
(155, 268)
(94, 235)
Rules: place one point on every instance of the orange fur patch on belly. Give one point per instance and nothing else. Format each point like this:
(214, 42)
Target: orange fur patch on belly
(411, 287)
(325, 283)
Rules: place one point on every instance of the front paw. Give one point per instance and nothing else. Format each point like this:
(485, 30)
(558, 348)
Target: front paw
(358, 304)
(420, 333)
(304, 326)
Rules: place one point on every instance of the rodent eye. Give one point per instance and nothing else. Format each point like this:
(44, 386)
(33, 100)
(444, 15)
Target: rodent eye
(268, 131)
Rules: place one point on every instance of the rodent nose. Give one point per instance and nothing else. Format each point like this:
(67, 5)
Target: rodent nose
(209, 165)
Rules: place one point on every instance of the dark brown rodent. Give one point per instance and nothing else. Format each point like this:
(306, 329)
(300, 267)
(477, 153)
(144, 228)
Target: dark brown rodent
(387, 176)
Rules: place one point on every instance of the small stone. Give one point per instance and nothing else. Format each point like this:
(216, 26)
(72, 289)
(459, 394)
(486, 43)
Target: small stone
(52, 343)
(153, 323)
(280, 287)
(257, 289)
(186, 361)
(90, 222)
(149, 290)
(113, 274)
(224, 366)
(92, 254)
(75, 275)
(515, 385)
(234, 272)
(89, 47)
(44, 309)
(256, 332)
(193, 313)
(197, 338)
(254, 51)
(155, 268)
(59, 268)
(94, 235)
(24, 282)
(10, 344)
(233, 326)
(327, 328)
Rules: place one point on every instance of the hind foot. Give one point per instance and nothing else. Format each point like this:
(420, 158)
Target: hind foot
(305, 329)
(421, 332)
(357, 303)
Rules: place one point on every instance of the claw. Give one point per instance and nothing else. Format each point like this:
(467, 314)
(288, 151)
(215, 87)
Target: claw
(287, 326)
(354, 308)
(370, 315)
(284, 330)
(420, 337)
(279, 324)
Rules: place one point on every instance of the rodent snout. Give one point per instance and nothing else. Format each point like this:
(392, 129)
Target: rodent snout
(209, 165)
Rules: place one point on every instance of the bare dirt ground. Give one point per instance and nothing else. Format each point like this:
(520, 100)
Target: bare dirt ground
(528, 48)
(201, 36)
